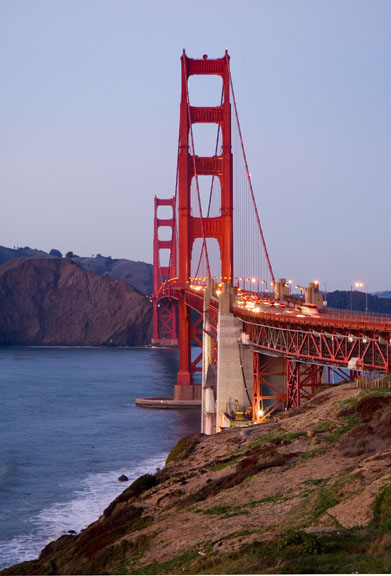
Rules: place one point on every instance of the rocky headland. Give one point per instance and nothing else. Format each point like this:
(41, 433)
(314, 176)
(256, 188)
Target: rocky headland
(308, 492)
(53, 301)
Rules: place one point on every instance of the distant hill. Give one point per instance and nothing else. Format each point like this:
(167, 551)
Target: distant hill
(26, 252)
(344, 299)
(54, 301)
(385, 294)
(138, 274)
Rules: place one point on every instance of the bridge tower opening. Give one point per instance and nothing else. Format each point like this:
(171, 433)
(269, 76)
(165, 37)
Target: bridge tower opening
(192, 227)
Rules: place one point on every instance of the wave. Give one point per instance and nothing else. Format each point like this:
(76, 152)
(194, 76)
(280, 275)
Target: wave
(95, 494)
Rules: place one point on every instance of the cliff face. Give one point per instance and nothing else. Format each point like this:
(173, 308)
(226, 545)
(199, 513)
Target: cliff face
(309, 492)
(52, 301)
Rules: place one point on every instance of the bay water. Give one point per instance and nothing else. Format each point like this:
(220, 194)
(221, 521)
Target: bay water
(69, 427)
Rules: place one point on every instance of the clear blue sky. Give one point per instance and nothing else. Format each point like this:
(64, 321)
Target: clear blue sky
(89, 108)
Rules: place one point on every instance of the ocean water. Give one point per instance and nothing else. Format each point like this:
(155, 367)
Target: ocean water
(69, 428)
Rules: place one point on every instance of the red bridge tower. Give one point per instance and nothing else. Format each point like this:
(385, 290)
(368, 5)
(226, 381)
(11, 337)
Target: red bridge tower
(190, 227)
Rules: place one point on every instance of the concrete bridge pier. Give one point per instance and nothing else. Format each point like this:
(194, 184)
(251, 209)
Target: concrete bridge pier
(209, 382)
(227, 386)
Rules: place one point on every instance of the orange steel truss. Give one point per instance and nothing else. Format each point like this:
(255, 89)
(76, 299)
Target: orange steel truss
(190, 227)
(302, 380)
(267, 396)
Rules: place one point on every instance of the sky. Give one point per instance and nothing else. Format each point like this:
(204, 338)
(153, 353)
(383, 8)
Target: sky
(89, 113)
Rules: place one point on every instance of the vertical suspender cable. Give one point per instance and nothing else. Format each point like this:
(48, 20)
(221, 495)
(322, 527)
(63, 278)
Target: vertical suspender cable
(248, 175)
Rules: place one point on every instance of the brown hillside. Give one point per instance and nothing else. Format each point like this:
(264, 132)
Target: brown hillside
(51, 301)
(309, 492)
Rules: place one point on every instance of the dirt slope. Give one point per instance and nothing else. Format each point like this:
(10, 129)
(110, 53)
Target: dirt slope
(308, 492)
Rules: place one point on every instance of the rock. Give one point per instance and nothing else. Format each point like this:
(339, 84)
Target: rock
(123, 478)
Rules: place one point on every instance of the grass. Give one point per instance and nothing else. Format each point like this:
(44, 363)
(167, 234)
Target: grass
(183, 448)
(229, 511)
(382, 509)
(276, 438)
(313, 505)
(313, 453)
(222, 465)
(350, 422)
(177, 565)
(293, 552)
(324, 426)
(376, 392)
(316, 481)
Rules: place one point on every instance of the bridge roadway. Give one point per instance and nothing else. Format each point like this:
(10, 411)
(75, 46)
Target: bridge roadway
(261, 354)
(355, 341)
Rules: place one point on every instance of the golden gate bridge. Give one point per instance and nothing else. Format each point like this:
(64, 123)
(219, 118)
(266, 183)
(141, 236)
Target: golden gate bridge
(260, 348)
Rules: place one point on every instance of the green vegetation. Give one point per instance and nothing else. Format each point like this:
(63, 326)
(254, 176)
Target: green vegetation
(324, 426)
(350, 422)
(313, 453)
(183, 449)
(371, 393)
(376, 392)
(313, 505)
(222, 465)
(177, 565)
(276, 438)
(293, 552)
(316, 481)
(228, 511)
(382, 509)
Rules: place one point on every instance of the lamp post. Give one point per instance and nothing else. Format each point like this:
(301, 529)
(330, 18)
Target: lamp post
(366, 299)
(356, 285)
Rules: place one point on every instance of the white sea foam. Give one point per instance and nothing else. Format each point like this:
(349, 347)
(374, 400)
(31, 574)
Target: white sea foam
(95, 494)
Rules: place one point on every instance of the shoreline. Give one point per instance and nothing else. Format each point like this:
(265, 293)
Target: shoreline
(281, 497)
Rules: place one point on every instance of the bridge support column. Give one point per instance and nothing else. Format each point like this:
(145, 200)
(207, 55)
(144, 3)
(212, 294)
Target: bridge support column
(209, 370)
(232, 359)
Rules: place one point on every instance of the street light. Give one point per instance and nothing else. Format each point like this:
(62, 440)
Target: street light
(358, 285)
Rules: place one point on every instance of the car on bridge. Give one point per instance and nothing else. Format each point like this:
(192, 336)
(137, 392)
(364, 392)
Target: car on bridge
(309, 309)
